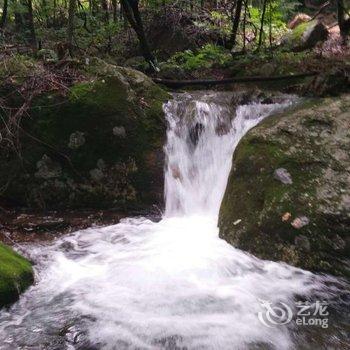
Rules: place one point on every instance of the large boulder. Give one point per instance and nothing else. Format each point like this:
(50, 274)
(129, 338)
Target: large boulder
(298, 19)
(16, 275)
(288, 193)
(100, 145)
(305, 36)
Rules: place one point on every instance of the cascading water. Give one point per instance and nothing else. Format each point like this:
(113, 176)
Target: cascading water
(171, 284)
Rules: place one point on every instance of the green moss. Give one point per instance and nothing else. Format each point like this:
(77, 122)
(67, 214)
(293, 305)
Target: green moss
(16, 275)
(299, 30)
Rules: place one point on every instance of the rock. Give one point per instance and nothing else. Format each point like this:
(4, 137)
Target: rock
(137, 62)
(300, 222)
(338, 243)
(101, 164)
(298, 19)
(305, 36)
(330, 83)
(90, 164)
(47, 168)
(286, 216)
(313, 140)
(35, 223)
(267, 101)
(244, 97)
(269, 69)
(47, 55)
(195, 133)
(223, 128)
(96, 175)
(76, 140)
(171, 71)
(282, 174)
(16, 275)
(254, 95)
(119, 131)
(303, 243)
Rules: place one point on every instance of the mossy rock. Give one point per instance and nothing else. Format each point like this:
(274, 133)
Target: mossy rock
(304, 223)
(100, 145)
(305, 36)
(16, 275)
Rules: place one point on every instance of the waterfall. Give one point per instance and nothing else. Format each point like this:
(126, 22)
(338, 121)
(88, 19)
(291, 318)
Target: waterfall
(202, 135)
(171, 284)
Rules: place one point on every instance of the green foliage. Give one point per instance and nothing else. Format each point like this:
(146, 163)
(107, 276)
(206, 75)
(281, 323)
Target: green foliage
(206, 57)
(274, 21)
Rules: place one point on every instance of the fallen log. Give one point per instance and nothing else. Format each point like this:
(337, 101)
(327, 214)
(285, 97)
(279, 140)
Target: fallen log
(181, 83)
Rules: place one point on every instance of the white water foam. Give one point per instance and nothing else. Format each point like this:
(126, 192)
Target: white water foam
(171, 284)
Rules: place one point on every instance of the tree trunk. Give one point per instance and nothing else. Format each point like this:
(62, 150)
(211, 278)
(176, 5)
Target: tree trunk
(235, 24)
(30, 25)
(70, 26)
(104, 5)
(132, 13)
(25, 23)
(115, 16)
(244, 25)
(4, 15)
(343, 21)
(262, 24)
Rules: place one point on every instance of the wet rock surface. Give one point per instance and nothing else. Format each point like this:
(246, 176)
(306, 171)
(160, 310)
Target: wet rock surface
(23, 226)
(303, 218)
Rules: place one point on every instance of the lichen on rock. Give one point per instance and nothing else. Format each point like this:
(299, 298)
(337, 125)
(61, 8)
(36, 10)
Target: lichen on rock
(306, 221)
(76, 140)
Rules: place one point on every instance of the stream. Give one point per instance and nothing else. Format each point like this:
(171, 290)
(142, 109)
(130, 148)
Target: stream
(172, 283)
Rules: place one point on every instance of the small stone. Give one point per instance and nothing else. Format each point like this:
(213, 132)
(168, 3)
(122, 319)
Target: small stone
(101, 164)
(338, 243)
(286, 216)
(268, 69)
(119, 131)
(143, 103)
(267, 101)
(76, 140)
(302, 242)
(47, 168)
(300, 222)
(282, 174)
(47, 55)
(96, 175)
(237, 222)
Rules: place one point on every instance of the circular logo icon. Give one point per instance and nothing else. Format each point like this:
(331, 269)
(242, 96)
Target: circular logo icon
(274, 315)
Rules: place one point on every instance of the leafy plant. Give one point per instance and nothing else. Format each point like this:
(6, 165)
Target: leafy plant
(206, 57)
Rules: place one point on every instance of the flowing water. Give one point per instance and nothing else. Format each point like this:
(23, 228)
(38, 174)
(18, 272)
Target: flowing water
(169, 284)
